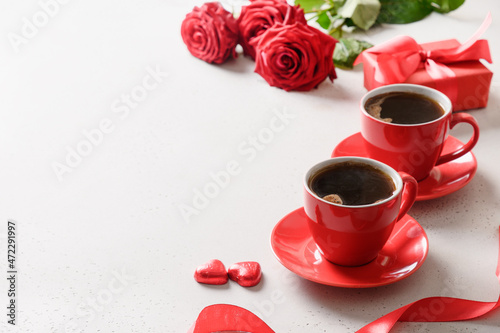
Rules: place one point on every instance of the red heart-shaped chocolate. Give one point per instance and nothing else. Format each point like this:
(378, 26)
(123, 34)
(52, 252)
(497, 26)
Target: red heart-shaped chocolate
(247, 273)
(211, 272)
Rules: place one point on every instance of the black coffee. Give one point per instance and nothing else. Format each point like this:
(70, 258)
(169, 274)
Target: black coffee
(355, 183)
(403, 108)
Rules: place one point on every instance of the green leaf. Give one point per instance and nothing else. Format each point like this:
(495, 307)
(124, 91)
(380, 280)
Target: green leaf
(403, 11)
(445, 6)
(347, 50)
(324, 20)
(310, 5)
(349, 23)
(362, 12)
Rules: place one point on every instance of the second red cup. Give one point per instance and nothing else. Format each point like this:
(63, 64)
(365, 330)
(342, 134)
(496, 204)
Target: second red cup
(352, 205)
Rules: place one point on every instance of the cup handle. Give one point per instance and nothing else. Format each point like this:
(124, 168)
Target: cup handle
(461, 118)
(410, 189)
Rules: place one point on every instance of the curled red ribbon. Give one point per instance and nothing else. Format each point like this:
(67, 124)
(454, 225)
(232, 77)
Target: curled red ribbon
(231, 318)
(395, 60)
(451, 309)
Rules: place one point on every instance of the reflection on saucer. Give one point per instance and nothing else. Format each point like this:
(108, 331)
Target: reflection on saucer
(402, 255)
(443, 179)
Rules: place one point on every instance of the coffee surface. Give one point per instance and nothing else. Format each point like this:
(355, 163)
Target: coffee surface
(403, 108)
(355, 183)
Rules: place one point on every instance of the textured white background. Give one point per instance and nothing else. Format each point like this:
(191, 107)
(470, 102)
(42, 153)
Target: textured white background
(106, 248)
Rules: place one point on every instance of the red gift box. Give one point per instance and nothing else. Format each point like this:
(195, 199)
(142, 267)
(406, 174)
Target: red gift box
(472, 78)
(448, 66)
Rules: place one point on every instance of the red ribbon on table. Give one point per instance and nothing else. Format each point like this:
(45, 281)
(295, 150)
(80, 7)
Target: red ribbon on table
(226, 317)
(451, 309)
(395, 60)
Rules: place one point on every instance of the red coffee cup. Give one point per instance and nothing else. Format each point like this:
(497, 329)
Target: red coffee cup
(414, 148)
(352, 235)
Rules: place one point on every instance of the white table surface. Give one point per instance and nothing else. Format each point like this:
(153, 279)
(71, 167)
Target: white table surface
(104, 246)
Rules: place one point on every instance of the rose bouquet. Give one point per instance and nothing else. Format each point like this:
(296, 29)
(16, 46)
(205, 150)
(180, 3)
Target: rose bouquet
(288, 53)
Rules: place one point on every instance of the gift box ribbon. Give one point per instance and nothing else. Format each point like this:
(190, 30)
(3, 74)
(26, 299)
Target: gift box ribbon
(395, 60)
(231, 318)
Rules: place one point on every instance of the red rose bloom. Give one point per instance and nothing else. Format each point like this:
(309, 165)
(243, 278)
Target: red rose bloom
(210, 33)
(260, 15)
(294, 57)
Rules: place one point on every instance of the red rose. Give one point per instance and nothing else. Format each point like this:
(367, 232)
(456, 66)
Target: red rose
(210, 33)
(294, 57)
(260, 15)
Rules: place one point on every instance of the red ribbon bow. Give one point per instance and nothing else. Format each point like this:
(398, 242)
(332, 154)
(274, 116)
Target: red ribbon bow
(395, 60)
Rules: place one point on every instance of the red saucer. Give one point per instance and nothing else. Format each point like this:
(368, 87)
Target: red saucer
(404, 253)
(443, 179)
